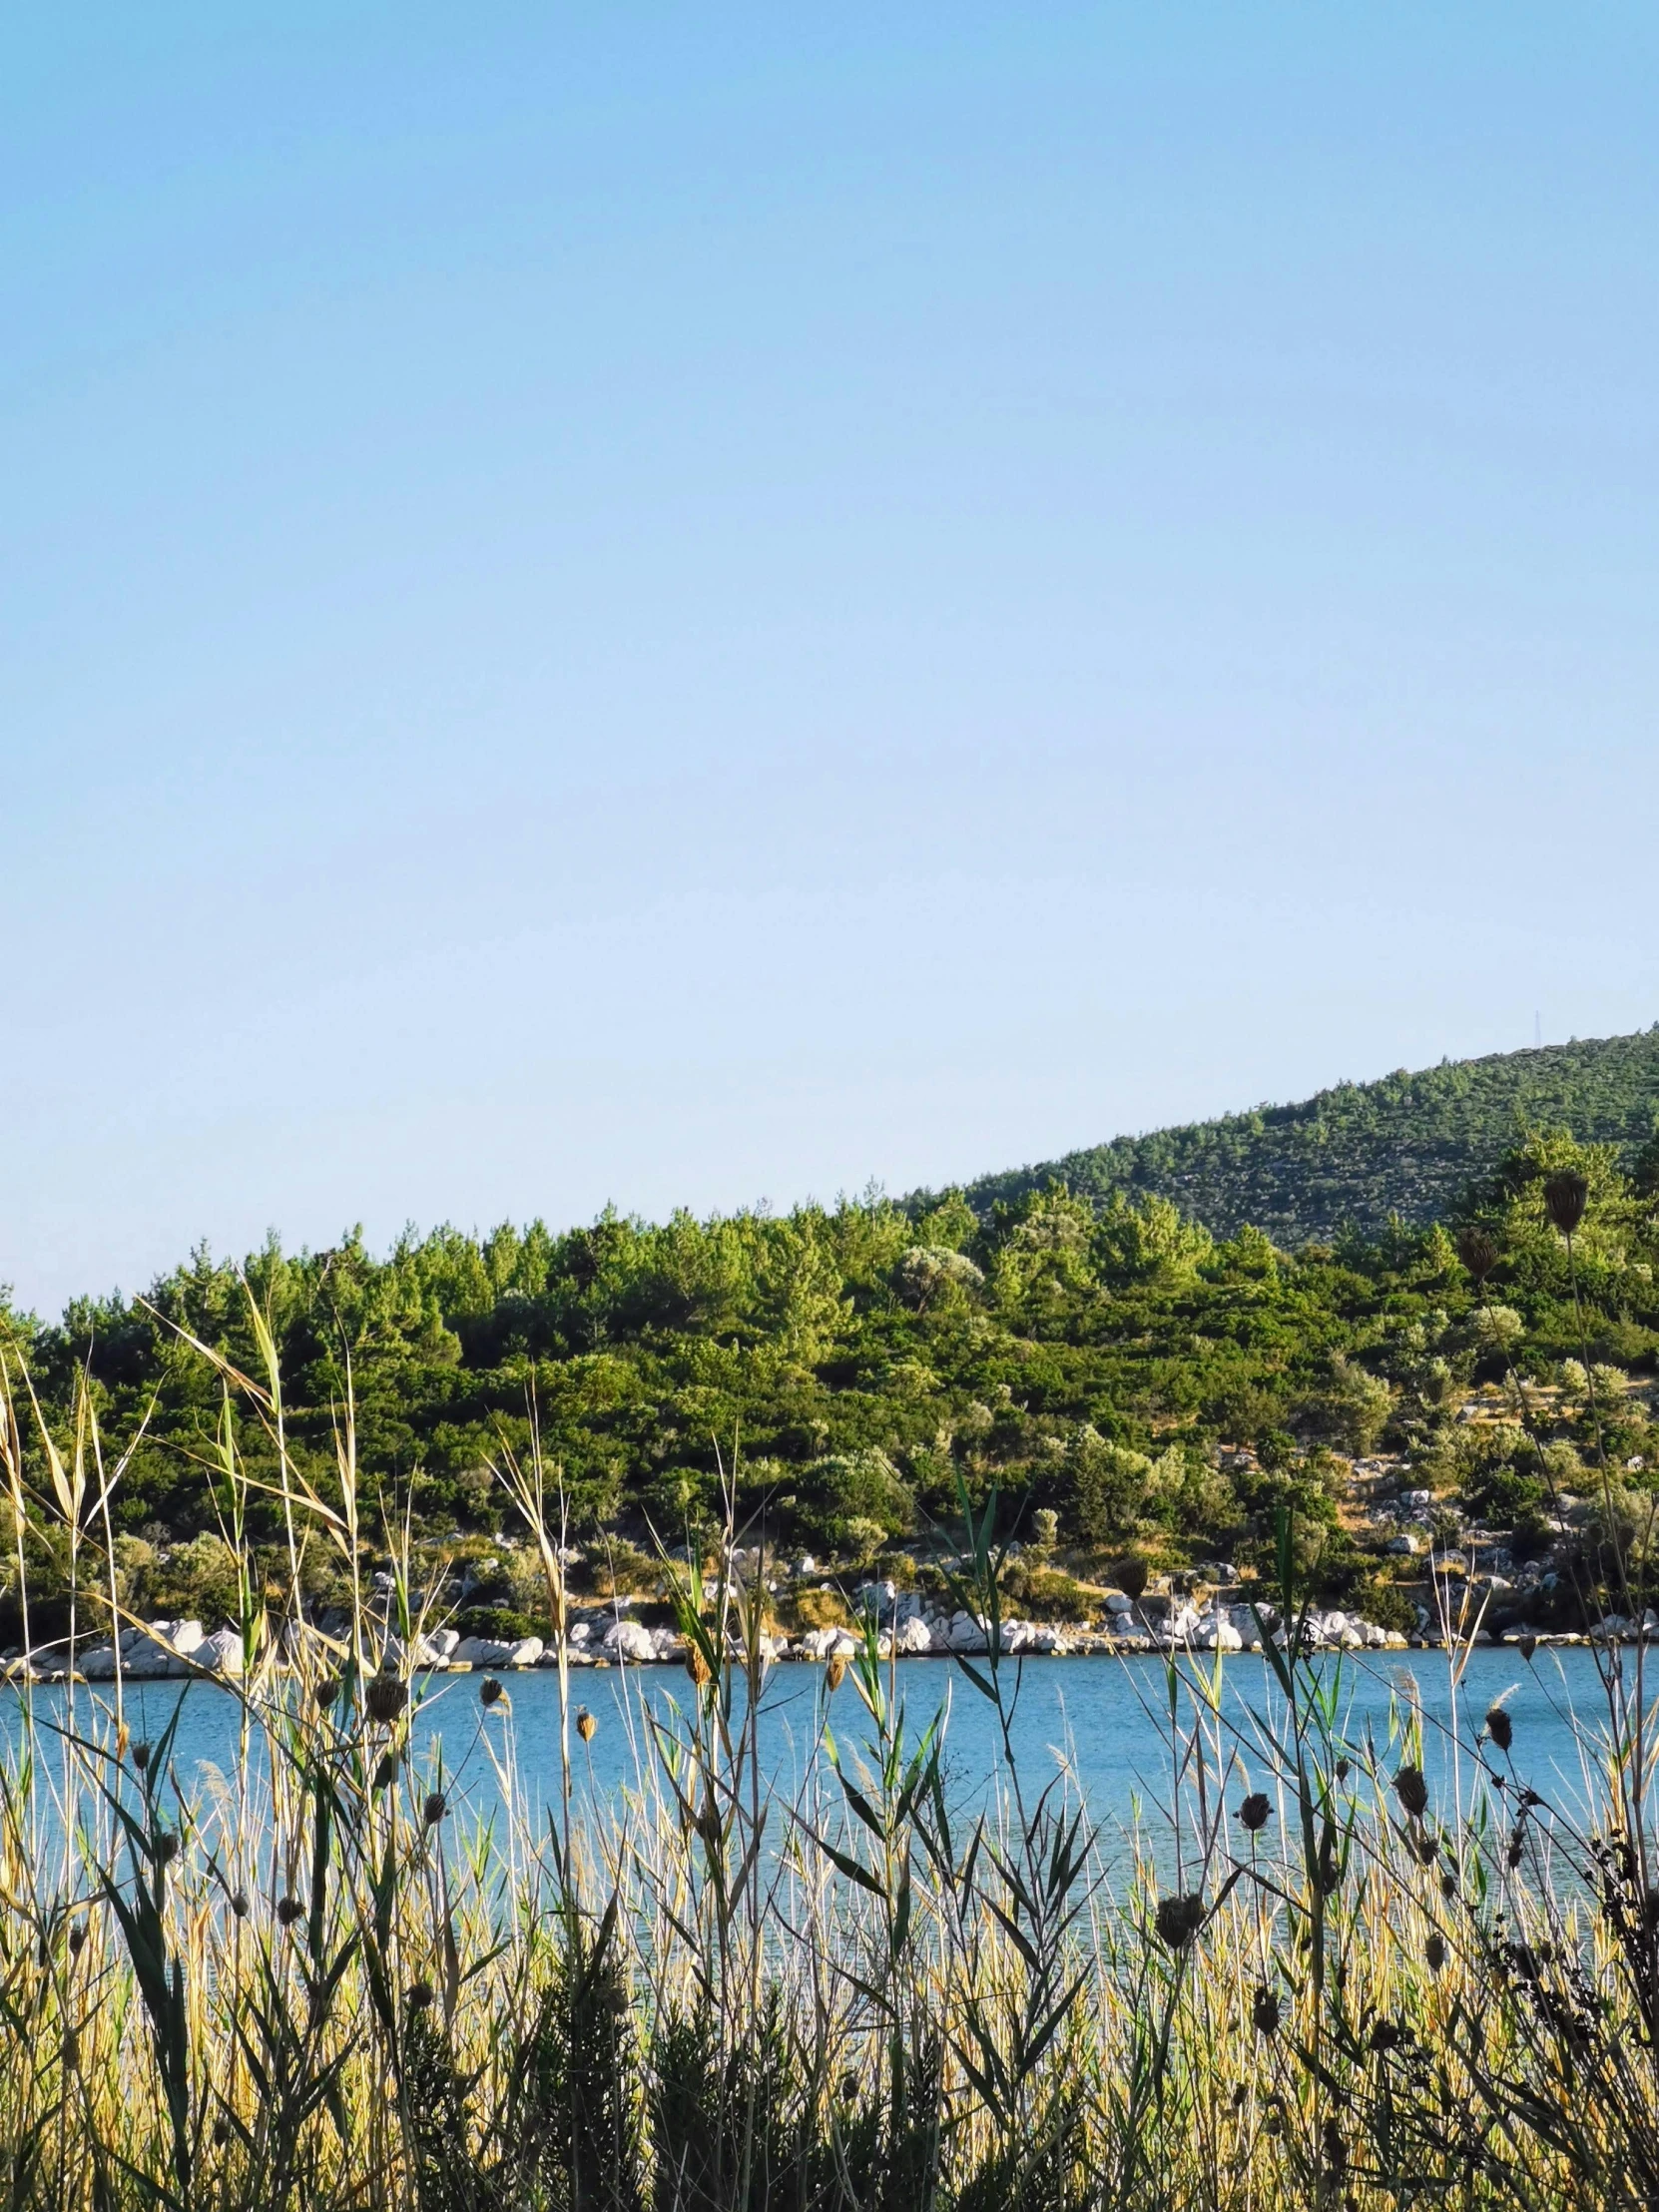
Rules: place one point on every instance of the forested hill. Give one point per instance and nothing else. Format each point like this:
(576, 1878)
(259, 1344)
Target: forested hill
(1362, 1152)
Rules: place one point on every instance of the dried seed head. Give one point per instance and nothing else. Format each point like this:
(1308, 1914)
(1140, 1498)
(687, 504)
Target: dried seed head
(1449, 1887)
(491, 1691)
(1344, 1769)
(434, 1809)
(385, 1771)
(1412, 1791)
(1255, 1810)
(1501, 1728)
(1264, 2013)
(141, 1757)
(1179, 1920)
(419, 1996)
(222, 2133)
(1529, 1646)
(76, 1941)
(585, 1726)
(697, 1666)
(288, 1910)
(71, 2048)
(1434, 1951)
(166, 1847)
(835, 1673)
(239, 1905)
(327, 1690)
(1564, 1196)
(1384, 2036)
(385, 1697)
(1477, 1251)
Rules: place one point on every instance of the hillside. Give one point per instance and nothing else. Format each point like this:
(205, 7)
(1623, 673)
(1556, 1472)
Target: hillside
(1356, 1155)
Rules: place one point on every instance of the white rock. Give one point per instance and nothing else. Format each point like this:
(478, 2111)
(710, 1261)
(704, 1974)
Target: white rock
(1117, 1602)
(482, 1651)
(629, 1640)
(827, 1643)
(98, 1664)
(967, 1634)
(443, 1641)
(221, 1652)
(1405, 1544)
(526, 1652)
(187, 1636)
(1219, 1635)
(913, 1637)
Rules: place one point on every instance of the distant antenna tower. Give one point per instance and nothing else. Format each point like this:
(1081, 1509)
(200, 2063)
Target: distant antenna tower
(1537, 1032)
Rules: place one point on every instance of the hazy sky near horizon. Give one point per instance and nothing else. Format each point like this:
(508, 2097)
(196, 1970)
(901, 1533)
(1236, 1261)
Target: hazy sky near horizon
(671, 605)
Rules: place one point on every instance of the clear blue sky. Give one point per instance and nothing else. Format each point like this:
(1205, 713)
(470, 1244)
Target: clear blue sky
(707, 604)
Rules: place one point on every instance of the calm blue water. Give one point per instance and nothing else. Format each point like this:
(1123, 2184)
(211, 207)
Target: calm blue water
(1103, 1722)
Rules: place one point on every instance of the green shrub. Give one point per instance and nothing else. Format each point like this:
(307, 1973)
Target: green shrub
(1386, 1604)
(500, 1624)
(1046, 1594)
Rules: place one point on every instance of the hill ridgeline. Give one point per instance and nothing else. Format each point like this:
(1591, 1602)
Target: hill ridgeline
(1356, 1155)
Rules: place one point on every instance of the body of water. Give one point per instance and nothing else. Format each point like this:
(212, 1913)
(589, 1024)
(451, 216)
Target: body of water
(1102, 1724)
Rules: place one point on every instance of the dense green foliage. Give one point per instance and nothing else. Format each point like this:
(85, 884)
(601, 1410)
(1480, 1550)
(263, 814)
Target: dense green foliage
(859, 1361)
(1362, 1153)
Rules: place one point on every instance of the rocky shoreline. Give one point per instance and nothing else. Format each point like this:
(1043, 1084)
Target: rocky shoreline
(181, 1650)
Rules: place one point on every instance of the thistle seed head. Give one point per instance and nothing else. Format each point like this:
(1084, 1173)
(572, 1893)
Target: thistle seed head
(491, 1691)
(327, 1690)
(698, 1667)
(1564, 1196)
(1179, 1920)
(1434, 1951)
(239, 1905)
(76, 1941)
(385, 1697)
(1255, 1810)
(288, 1910)
(418, 1997)
(835, 1673)
(1501, 1728)
(1264, 2013)
(434, 1809)
(1478, 1252)
(166, 1847)
(1412, 1792)
(141, 1757)
(585, 1726)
